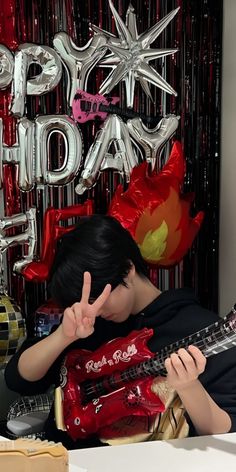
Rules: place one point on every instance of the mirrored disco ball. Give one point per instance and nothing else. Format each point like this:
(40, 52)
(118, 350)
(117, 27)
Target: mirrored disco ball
(12, 328)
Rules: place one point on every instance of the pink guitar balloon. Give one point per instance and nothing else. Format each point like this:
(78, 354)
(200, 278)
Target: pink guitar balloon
(86, 106)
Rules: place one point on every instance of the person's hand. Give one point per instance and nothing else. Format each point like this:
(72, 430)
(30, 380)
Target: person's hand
(78, 320)
(184, 367)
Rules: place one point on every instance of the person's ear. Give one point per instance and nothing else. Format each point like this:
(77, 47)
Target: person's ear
(132, 272)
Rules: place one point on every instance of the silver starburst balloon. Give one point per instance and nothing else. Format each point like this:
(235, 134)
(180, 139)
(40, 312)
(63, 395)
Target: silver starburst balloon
(131, 53)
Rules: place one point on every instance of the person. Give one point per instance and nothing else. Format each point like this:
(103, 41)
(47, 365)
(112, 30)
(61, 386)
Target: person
(101, 280)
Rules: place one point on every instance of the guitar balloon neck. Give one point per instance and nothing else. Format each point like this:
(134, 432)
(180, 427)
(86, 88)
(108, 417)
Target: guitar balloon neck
(211, 340)
(128, 113)
(95, 388)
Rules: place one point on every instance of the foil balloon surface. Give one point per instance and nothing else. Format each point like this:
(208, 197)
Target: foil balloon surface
(157, 213)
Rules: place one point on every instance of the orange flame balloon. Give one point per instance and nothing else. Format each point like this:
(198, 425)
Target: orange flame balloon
(156, 213)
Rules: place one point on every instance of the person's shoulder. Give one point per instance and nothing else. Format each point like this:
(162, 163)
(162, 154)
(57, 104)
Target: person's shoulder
(180, 302)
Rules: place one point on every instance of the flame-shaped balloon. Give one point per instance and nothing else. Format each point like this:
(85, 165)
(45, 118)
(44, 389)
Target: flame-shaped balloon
(156, 213)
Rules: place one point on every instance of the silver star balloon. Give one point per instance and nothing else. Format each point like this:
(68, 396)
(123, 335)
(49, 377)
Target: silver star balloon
(131, 53)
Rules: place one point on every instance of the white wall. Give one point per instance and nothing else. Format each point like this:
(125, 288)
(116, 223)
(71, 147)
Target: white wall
(227, 260)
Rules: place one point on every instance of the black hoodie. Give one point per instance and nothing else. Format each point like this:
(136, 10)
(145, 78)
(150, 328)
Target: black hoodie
(174, 315)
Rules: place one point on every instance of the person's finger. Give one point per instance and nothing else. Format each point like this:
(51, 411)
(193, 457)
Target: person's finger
(88, 321)
(177, 364)
(69, 322)
(195, 352)
(76, 308)
(99, 302)
(168, 365)
(69, 314)
(85, 326)
(86, 289)
(187, 359)
(170, 369)
(199, 358)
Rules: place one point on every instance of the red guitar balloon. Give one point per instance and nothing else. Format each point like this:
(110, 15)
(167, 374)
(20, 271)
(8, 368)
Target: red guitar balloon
(101, 387)
(83, 417)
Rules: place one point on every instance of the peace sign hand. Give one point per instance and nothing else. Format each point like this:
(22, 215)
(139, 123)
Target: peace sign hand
(78, 320)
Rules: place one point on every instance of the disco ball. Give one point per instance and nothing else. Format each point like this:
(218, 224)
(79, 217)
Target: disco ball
(12, 328)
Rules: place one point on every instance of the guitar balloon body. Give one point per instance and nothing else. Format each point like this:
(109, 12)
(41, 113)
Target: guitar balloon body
(83, 419)
(87, 107)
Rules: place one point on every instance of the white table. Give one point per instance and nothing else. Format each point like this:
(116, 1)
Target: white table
(201, 454)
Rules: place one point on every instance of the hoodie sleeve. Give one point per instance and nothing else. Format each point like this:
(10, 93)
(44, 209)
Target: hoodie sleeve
(18, 384)
(105, 331)
(220, 382)
(219, 377)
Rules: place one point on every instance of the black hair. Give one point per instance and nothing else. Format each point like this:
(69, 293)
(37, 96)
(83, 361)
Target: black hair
(100, 245)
